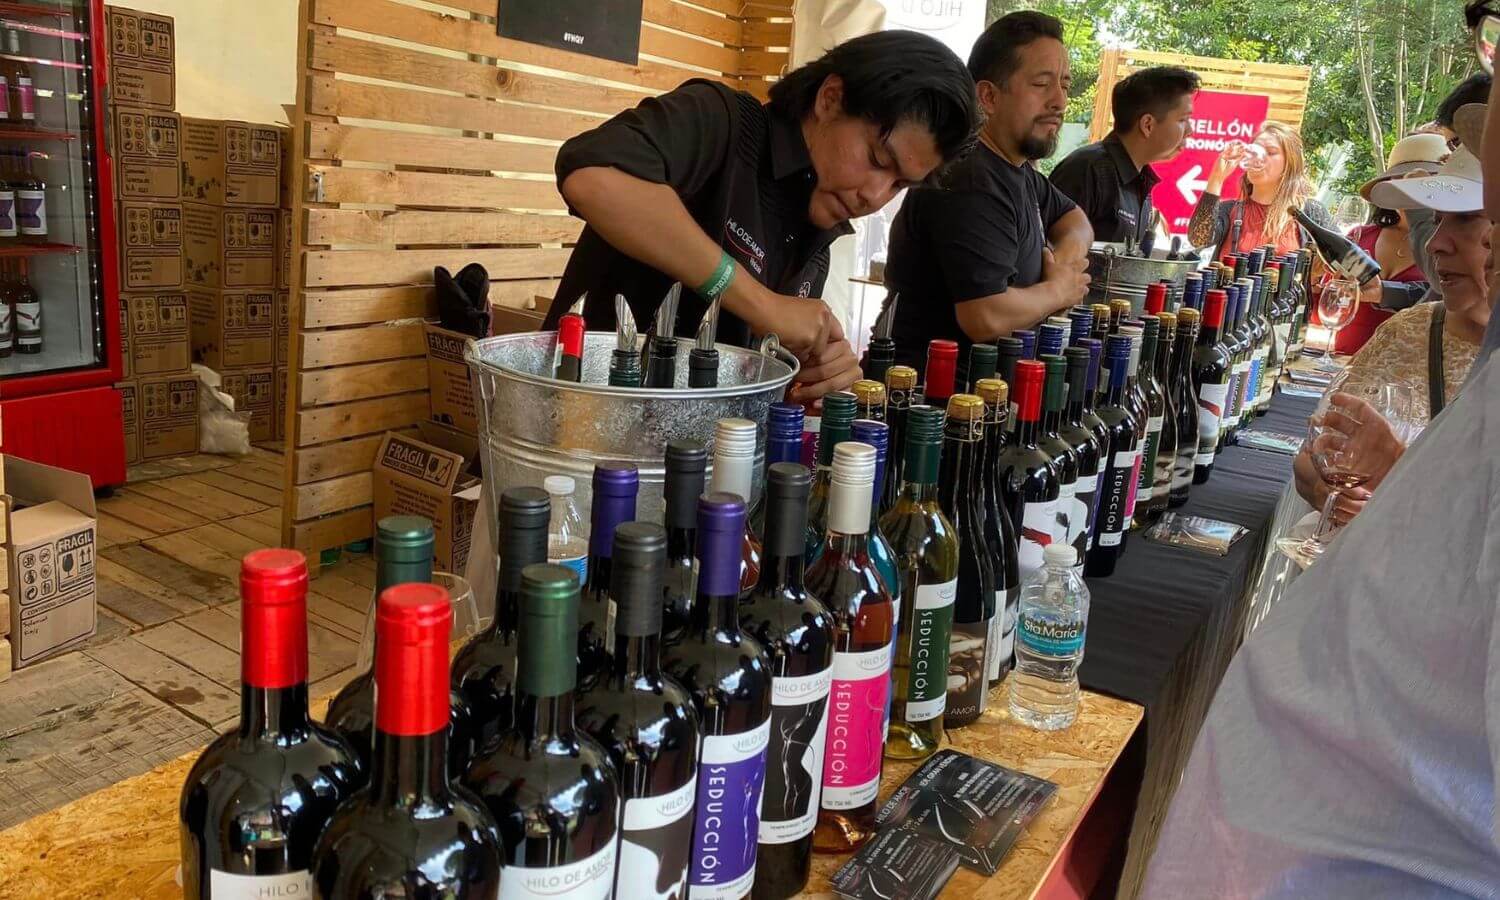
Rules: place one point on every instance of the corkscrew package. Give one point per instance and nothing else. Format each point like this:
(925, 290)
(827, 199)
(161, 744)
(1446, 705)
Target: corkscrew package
(899, 864)
(1196, 533)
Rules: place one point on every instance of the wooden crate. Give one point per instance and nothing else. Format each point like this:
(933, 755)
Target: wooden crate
(422, 138)
(1285, 85)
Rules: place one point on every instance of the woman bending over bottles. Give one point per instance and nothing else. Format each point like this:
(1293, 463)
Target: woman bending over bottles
(1275, 177)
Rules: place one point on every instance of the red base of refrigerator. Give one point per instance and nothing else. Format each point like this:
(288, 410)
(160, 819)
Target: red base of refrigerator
(83, 431)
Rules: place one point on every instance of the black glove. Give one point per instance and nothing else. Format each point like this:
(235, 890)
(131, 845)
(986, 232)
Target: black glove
(464, 302)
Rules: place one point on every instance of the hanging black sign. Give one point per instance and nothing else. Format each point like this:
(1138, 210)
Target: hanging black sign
(608, 29)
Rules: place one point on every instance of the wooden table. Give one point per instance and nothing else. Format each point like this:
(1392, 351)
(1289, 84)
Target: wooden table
(122, 841)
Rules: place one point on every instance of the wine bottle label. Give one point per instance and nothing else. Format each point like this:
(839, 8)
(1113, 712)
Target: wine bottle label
(1085, 502)
(27, 95)
(7, 327)
(8, 226)
(1045, 636)
(794, 762)
(1210, 411)
(851, 767)
(1145, 483)
(1002, 631)
(1113, 495)
(28, 324)
(1133, 485)
(4, 97)
(592, 878)
(968, 668)
(931, 628)
(731, 776)
(31, 211)
(1231, 398)
(1261, 365)
(1063, 526)
(655, 836)
(227, 886)
(1037, 518)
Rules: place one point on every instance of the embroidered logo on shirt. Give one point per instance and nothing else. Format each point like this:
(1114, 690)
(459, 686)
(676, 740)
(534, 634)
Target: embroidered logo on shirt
(804, 289)
(749, 248)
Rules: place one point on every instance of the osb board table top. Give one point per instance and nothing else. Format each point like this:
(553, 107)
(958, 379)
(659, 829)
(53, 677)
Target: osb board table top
(122, 841)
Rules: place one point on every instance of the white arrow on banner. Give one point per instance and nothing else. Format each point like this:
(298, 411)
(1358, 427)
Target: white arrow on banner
(1188, 184)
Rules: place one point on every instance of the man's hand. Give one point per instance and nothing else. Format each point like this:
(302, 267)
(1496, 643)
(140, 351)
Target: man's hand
(804, 326)
(1068, 278)
(1372, 291)
(834, 367)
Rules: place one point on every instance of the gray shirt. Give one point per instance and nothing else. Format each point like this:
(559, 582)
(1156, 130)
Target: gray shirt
(1353, 747)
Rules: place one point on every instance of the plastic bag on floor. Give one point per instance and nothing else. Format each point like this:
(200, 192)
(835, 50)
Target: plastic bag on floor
(220, 428)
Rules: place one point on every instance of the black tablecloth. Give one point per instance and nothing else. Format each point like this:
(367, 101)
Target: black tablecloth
(1162, 629)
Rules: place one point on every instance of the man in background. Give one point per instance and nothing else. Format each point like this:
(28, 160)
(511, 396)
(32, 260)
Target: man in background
(1111, 180)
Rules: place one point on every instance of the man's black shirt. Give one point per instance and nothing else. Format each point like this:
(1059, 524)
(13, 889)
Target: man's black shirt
(1116, 196)
(744, 174)
(981, 233)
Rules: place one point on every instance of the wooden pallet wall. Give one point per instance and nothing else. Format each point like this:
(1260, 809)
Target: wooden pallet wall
(1285, 85)
(421, 138)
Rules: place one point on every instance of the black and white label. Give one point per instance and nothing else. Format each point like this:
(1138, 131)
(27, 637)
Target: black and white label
(1114, 498)
(1063, 529)
(656, 840)
(1038, 523)
(794, 760)
(588, 879)
(291, 885)
(1211, 411)
(1081, 523)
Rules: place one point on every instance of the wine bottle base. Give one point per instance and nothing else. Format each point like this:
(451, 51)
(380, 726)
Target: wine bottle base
(1201, 473)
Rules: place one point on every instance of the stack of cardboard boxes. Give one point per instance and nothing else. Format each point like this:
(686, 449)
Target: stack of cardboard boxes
(204, 244)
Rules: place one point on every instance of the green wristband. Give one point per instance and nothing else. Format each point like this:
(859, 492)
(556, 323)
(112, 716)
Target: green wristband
(719, 281)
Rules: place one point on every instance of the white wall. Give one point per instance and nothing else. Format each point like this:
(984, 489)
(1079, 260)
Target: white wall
(235, 59)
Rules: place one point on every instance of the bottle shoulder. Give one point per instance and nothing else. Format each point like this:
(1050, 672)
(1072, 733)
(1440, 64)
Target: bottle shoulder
(243, 777)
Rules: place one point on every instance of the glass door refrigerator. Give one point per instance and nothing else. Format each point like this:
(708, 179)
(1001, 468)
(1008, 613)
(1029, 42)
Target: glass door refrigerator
(59, 299)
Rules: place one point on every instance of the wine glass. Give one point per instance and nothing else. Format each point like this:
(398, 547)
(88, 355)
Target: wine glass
(1350, 211)
(1336, 307)
(465, 618)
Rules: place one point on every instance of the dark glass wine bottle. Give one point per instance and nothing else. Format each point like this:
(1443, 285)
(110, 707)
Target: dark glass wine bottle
(1101, 322)
(927, 553)
(1145, 510)
(983, 358)
(1274, 313)
(1059, 451)
(1211, 365)
(797, 632)
(940, 378)
(878, 436)
(1343, 255)
(1011, 352)
(1135, 401)
(484, 672)
(999, 533)
(1029, 483)
(1027, 337)
(783, 444)
(645, 722)
(900, 386)
(1165, 457)
(726, 673)
(961, 495)
(864, 622)
(550, 787)
(1119, 311)
(1264, 338)
(403, 554)
(1092, 397)
(615, 486)
(734, 473)
(869, 400)
(1080, 324)
(1120, 461)
(1086, 444)
(411, 832)
(1185, 406)
(257, 798)
(686, 463)
(838, 415)
(1236, 348)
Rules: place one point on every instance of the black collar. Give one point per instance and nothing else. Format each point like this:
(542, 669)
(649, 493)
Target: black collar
(1124, 165)
(790, 160)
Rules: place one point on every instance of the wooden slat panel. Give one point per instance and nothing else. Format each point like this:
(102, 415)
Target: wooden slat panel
(680, 47)
(323, 309)
(357, 143)
(333, 495)
(768, 34)
(691, 20)
(361, 267)
(330, 423)
(362, 382)
(341, 185)
(333, 531)
(408, 226)
(763, 62)
(333, 460)
(359, 345)
(358, 100)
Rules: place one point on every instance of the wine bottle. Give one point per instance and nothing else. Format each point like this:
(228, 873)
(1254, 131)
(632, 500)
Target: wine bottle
(1185, 406)
(484, 672)
(961, 495)
(645, 722)
(9, 230)
(1156, 299)
(1237, 343)
(783, 444)
(1165, 456)
(864, 623)
(1192, 291)
(1265, 339)
(1011, 352)
(1146, 509)
(412, 832)
(1087, 447)
(21, 102)
(258, 796)
(686, 462)
(940, 377)
(726, 673)
(838, 415)
(1059, 451)
(1080, 324)
(7, 308)
(927, 552)
(982, 361)
(31, 203)
(878, 436)
(1029, 483)
(1304, 300)
(615, 488)
(734, 465)
(1027, 337)
(1275, 313)
(1254, 335)
(1050, 339)
(900, 385)
(869, 400)
(797, 633)
(1341, 254)
(1135, 401)
(1121, 459)
(1092, 396)
(403, 554)
(1211, 365)
(1101, 322)
(28, 311)
(550, 787)
(999, 532)
(1119, 311)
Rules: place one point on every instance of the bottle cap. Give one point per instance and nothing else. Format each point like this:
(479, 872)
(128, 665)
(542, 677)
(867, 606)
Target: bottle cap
(273, 618)
(403, 539)
(854, 464)
(734, 438)
(1096, 352)
(559, 485)
(550, 584)
(616, 479)
(721, 532)
(1117, 346)
(901, 378)
(1059, 555)
(982, 361)
(942, 366)
(1213, 308)
(1081, 320)
(616, 485)
(1120, 306)
(1156, 298)
(686, 461)
(966, 407)
(1028, 342)
(1030, 375)
(785, 420)
(852, 485)
(1055, 396)
(635, 578)
(1167, 321)
(1078, 359)
(868, 392)
(995, 391)
(877, 435)
(522, 531)
(1049, 340)
(788, 485)
(545, 662)
(924, 423)
(838, 409)
(413, 624)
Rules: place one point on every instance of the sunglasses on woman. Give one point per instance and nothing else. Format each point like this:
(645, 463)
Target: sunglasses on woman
(1483, 18)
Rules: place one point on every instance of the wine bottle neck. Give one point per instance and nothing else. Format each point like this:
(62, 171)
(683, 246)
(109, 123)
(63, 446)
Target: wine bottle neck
(410, 770)
(544, 717)
(636, 656)
(1026, 431)
(779, 573)
(271, 713)
(919, 491)
(715, 613)
(844, 546)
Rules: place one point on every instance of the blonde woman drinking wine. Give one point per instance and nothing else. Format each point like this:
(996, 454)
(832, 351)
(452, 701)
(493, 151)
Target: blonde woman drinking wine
(1274, 178)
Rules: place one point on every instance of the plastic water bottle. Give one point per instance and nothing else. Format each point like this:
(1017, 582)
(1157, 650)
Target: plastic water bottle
(1054, 614)
(567, 539)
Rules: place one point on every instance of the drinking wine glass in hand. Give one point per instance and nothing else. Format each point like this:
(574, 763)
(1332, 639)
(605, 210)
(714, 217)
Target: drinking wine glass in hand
(1336, 307)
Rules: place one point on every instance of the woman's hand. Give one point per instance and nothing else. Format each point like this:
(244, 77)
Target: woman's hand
(1315, 490)
(1228, 158)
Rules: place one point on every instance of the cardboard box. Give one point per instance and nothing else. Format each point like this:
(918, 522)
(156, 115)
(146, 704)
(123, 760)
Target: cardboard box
(279, 415)
(281, 317)
(167, 407)
(450, 394)
(51, 535)
(509, 320)
(431, 476)
(148, 157)
(130, 407)
(150, 245)
(142, 58)
(284, 249)
(229, 163)
(232, 329)
(224, 247)
(253, 391)
(126, 369)
(289, 169)
(159, 342)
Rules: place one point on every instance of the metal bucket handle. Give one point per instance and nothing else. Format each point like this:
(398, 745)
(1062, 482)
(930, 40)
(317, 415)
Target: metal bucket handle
(770, 346)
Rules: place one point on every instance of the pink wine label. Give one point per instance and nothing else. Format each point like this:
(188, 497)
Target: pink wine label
(4, 97)
(27, 96)
(1133, 485)
(857, 703)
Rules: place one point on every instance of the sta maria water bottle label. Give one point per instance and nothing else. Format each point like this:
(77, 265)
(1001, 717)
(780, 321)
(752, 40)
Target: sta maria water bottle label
(656, 834)
(1050, 637)
(731, 777)
(794, 762)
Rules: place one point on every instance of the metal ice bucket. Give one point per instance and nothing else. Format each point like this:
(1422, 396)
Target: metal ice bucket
(532, 425)
(1115, 276)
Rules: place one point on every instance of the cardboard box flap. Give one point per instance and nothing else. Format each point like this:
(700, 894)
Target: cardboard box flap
(411, 460)
(32, 483)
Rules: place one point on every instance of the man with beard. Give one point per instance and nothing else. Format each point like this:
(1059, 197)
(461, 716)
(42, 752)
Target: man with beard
(1111, 181)
(972, 261)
